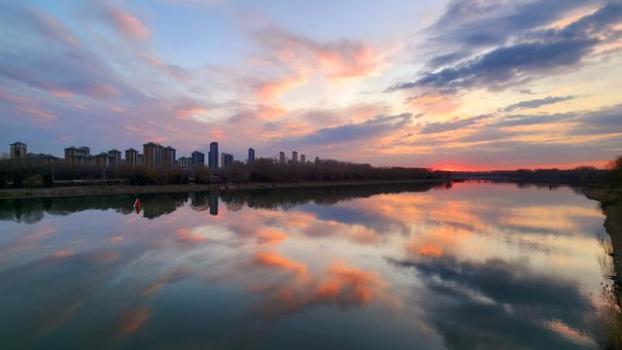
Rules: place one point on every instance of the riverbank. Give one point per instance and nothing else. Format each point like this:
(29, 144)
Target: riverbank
(605, 195)
(79, 191)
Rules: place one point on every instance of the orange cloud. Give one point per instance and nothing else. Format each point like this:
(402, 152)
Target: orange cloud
(433, 103)
(62, 253)
(270, 236)
(132, 320)
(341, 284)
(269, 91)
(188, 235)
(349, 286)
(188, 113)
(275, 260)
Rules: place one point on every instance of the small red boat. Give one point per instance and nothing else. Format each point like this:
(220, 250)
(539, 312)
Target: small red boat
(137, 205)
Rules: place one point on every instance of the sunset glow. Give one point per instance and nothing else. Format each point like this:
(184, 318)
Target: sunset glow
(410, 83)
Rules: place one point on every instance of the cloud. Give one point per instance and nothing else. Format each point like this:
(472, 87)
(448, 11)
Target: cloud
(603, 121)
(342, 285)
(293, 60)
(471, 24)
(124, 22)
(505, 66)
(50, 60)
(499, 58)
(277, 261)
(536, 119)
(24, 104)
(470, 302)
(431, 128)
(535, 103)
(370, 128)
(336, 59)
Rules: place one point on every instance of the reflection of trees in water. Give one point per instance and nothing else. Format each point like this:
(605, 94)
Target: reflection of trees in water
(611, 313)
(154, 205)
(33, 210)
(287, 198)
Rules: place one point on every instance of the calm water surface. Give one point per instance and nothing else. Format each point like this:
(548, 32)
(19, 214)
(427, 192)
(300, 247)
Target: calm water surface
(475, 266)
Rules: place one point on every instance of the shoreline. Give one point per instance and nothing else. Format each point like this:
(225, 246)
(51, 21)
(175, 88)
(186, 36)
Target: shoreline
(83, 191)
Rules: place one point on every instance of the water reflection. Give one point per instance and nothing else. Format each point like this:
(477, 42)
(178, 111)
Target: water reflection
(474, 266)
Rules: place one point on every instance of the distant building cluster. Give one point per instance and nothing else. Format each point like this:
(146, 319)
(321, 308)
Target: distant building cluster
(153, 155)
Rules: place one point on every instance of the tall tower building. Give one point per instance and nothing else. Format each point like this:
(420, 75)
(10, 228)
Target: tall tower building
(153, 154)
(198, 159)
(282, 157)
(303, 159)
(18, 150)
(294, 157)
(227, 160)
(115, 157)
(251, 156)
(168, 156)
(131, 157)
(213, 155)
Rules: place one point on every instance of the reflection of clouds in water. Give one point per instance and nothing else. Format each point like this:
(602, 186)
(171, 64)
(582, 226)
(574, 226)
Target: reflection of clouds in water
(131, 320)
(498, 304)
(463, 244)
(340, 284)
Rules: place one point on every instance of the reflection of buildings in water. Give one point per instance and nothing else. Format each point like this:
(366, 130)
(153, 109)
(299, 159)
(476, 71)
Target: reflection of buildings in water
(213, 203)
(234, 205)
(198, 201)
(154, 205)
(157, 205)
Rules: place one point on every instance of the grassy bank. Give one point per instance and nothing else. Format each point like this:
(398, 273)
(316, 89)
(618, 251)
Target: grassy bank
(112, 190)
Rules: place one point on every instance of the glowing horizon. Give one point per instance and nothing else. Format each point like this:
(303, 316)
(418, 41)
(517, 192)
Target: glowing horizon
(452, 85)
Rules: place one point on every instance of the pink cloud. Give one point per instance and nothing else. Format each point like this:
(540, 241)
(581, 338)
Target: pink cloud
(28, 106)
(126, 23)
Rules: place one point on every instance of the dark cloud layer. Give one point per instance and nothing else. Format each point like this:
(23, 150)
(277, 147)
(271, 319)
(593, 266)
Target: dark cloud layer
(496, 304)
(520, 49)
(535, 103)
(432, 128)
(376, 126)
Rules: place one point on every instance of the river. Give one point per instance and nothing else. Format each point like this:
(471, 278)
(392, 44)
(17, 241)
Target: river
(467, 266)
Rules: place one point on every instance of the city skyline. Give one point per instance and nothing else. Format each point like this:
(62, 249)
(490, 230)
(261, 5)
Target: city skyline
(157, 155)
(391, 83)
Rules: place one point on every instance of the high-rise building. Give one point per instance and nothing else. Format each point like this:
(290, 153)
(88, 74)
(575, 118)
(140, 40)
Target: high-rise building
(227, 160)
(79, 156)
(251, 156)
(213, 155)
(198, 159)
(153, 154)
(317, 160)
(185, 162)
(131, 157)
(103, 160)
(18, 150)
(168, 156)
(141, 159)
(303, 159)
(282, 157)
(294, 157)
(115, 157)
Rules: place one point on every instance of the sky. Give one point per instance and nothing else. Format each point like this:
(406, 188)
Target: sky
(459, 84)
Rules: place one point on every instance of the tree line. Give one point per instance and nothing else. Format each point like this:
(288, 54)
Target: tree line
(27, 173)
